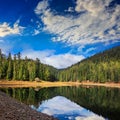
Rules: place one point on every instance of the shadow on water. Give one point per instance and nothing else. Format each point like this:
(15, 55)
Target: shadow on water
(102, 101)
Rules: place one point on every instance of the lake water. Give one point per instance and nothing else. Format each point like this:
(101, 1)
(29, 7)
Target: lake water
(71, 103)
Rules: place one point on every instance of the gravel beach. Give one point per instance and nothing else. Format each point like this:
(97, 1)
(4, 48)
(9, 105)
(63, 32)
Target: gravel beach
(11, 109)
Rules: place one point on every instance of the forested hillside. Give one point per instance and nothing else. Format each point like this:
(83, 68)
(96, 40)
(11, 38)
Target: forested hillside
(102, 67)
(24, 69)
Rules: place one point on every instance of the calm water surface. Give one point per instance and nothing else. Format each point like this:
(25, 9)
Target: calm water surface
(71, 103)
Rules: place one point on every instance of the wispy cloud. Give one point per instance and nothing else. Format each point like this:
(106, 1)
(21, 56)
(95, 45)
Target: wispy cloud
(49, 57)
(6, 29)
(41, 7)
(6, 46)
(96, 22)
(36, 32)
(33, 54)
(90, 50)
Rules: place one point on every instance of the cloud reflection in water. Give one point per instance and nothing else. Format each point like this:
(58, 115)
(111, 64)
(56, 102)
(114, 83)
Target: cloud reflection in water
(64, 109)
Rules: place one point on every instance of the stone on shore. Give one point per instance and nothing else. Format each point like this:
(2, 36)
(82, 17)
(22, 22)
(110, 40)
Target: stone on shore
(11, 109)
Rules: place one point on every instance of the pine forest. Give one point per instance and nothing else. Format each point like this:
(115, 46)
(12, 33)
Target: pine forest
(102, 67)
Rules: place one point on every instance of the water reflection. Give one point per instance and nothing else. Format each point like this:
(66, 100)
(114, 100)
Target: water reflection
(64, 109)
(101, 100)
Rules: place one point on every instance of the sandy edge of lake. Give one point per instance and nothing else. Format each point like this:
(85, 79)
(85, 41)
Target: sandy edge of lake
(42, 84)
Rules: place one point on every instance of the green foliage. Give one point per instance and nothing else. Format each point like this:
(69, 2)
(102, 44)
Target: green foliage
(10, 68)
(24, 69)
(103, 67)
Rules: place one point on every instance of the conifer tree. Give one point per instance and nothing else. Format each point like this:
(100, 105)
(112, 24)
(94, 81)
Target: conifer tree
(10, 68)
(15, 68)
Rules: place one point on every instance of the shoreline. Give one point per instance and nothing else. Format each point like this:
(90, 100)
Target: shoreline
(42, 84)
(15, 110)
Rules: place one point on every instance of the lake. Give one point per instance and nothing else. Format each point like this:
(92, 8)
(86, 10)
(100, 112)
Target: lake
(71, 103)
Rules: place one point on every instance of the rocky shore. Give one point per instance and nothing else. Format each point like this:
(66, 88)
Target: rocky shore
(11, 109)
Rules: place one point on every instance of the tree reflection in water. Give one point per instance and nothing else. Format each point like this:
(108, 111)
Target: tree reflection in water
(102, 101)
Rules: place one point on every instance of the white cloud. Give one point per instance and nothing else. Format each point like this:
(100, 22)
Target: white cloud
(70, 9)
(48, 57)
(80, 49)
(90, 49)
(66, 108)
(94, 7)
(42, 55)
(96, 25)
(6, 29)
(41, 7)
(36, 32)
(63, 60)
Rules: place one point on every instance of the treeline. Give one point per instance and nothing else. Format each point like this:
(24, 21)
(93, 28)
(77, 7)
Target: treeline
(102, 67)
(24, 69)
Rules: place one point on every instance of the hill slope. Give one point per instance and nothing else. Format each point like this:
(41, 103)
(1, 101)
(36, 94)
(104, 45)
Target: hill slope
(102, 67)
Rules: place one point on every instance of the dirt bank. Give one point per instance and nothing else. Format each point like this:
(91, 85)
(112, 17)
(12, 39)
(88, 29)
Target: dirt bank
(11, 109)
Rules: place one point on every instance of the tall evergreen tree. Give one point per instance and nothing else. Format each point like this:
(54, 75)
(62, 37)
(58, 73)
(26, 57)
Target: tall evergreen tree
(10, 68)
(15, 68)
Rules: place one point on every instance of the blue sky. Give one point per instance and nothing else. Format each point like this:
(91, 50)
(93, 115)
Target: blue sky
(59, 32)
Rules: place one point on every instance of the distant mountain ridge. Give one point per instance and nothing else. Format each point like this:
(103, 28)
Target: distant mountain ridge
(112, 53)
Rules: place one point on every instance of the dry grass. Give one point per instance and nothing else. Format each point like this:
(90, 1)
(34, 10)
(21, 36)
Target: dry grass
(5, 83)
